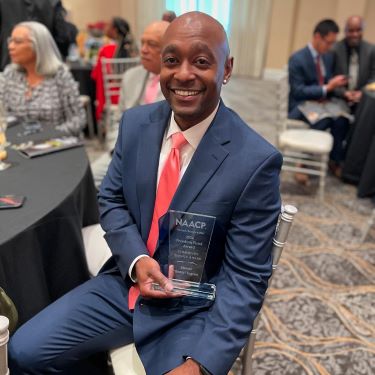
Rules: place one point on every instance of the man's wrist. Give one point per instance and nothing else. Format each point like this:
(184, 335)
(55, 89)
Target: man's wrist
(202, 369)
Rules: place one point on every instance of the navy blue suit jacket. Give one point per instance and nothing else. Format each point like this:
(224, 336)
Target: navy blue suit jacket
(303, 79)
(234, 176)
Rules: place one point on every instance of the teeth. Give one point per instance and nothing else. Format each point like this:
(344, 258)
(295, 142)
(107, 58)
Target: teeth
(186, 93)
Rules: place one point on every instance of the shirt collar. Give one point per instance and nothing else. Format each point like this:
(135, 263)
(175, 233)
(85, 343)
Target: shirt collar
(313, 51)
(194, 134)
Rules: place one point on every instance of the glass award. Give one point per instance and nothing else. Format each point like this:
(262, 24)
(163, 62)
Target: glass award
(189, 237)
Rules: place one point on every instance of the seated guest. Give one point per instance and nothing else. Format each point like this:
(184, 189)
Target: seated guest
(140, 85)
(37, 86)
(122, 45)
(311, 78)
(209, 162)
(354, 58)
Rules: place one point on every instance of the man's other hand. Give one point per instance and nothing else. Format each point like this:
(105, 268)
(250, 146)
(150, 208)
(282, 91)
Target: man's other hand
(336, 81)
(353, 96)
(148, 271)
(189, 367)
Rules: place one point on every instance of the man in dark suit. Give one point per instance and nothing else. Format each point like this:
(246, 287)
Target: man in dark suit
(311, 78)
(354, 58)
(225, 170)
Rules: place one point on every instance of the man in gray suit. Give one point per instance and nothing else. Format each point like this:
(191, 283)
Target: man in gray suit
(140, 85)
(354, 58)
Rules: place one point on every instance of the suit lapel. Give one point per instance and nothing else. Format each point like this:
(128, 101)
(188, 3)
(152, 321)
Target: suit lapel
(363, 58)
(147, 163)
(311, 69)
(344, 58)
(206, 160)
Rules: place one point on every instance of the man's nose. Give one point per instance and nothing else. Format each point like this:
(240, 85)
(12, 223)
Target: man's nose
(185, 72)
(144, 48)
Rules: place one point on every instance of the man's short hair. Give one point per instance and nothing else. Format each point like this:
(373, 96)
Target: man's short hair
(326, 26)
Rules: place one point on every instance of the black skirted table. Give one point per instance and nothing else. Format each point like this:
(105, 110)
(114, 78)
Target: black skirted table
(41, 247)
(359, 165)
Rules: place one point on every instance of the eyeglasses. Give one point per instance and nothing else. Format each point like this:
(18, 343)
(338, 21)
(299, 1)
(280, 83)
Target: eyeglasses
(17, 40)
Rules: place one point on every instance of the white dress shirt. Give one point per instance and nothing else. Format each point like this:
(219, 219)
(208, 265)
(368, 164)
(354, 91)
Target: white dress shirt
(193, 136)
(315, 55)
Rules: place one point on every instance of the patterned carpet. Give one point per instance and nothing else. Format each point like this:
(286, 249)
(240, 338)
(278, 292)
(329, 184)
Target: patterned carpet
(319, 316)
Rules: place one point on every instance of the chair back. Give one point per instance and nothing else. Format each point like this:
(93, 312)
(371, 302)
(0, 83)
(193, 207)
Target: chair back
(4, 338)
(281, 234)
(8, 309)
(113, 70)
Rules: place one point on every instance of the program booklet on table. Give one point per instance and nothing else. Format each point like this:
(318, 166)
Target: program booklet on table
(315, 111)
(49, 146)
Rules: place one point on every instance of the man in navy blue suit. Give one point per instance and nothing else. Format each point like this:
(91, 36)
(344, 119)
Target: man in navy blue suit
(311, 78)
(227, 171)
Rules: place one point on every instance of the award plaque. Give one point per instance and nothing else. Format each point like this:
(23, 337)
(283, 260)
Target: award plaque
(189, 237)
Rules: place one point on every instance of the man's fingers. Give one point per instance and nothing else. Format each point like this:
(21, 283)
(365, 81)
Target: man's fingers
(163, 281)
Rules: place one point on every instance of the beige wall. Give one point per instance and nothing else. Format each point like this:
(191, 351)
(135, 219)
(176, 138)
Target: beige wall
(263, 35)
(86, 11)
(292, 23)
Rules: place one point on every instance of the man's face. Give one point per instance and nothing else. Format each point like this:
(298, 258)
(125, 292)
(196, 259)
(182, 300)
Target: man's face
(150, 50)
(325, 43)
(193, 68)
(353, 32)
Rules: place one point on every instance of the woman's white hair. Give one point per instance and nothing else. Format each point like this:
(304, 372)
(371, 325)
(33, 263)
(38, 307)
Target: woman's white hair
(48, 58)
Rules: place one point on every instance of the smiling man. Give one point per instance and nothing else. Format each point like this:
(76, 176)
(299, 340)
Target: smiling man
(191, 154)
(355, 58)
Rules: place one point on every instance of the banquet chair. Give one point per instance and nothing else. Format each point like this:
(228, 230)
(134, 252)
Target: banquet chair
(8, 324)
(8, 309)
(96, 249)
(86, 103)
(243, 364)
(125, 360)
(113, 70)
(4, 338)
(304, 150)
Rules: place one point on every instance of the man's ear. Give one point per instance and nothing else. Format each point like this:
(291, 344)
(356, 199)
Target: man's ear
(228, 69)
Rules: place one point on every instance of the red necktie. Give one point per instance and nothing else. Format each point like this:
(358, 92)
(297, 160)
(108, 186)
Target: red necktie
(167, 187)
(319, 71)
(152, 90)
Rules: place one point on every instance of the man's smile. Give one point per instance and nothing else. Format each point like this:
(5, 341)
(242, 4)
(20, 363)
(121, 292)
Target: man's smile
(185, 92)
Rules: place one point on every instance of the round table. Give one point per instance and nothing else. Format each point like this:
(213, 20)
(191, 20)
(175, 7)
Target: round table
(41, 247)
(360, 158)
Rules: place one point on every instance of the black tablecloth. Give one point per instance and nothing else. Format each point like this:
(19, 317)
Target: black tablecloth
(41, 248)
(359, 165)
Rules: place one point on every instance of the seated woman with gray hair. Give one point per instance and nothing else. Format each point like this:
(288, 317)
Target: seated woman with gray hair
(37, 85)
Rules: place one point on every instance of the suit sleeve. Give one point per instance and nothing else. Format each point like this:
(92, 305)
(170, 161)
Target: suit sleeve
(372, 64)
(297, 81)
(122, 100)
(122, 233)
(243, 278)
